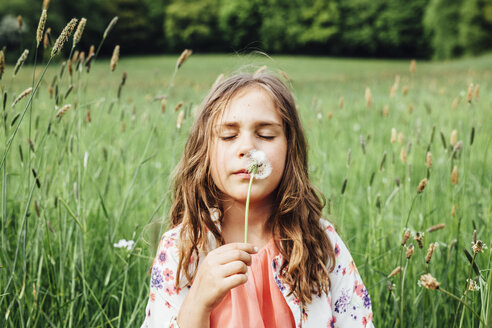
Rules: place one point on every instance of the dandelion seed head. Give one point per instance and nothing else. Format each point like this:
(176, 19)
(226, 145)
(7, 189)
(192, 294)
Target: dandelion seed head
(258, 164)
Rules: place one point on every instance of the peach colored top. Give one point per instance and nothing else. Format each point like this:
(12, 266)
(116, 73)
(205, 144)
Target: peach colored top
(257, 303)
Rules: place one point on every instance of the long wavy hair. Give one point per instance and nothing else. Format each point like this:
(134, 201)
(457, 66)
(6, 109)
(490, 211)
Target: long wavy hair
(307, 252)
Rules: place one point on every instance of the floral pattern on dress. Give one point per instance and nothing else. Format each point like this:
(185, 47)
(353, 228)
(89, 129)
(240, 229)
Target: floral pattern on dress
(347, 304)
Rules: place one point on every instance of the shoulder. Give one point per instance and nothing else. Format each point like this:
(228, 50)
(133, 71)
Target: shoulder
(329, 229)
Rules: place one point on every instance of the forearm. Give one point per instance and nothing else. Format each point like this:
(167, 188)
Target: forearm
(192, 314)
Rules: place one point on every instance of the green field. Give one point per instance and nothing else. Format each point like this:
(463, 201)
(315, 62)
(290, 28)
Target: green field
(108, 179)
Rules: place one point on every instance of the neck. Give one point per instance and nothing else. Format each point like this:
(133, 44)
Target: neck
(233, 222)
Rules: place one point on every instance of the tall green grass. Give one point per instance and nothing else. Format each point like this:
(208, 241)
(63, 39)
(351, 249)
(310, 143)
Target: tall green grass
(106, 179)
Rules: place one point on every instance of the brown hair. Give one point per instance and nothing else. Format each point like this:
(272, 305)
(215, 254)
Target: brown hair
(299, 236)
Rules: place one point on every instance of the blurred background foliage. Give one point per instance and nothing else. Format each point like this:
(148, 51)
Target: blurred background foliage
(437, 29)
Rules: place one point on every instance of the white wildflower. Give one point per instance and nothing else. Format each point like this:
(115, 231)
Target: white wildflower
(259, 166)
(122, 243)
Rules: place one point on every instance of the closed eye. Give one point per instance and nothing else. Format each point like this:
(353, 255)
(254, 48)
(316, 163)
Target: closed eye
(267, 137)
(225, 138)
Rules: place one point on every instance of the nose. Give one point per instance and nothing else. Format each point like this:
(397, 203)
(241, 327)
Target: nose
(246, 143)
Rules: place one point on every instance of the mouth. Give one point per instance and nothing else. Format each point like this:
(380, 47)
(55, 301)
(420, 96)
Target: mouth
(242, 171)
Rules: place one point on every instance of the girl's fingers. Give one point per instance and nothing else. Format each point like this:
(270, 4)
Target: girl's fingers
(234, 255)
(236, 267)
(235, 280)
(248, 248)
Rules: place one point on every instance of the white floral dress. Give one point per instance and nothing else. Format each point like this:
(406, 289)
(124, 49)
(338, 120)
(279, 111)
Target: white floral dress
(347, 304)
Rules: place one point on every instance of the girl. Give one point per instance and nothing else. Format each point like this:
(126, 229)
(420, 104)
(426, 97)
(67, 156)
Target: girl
(300, 272)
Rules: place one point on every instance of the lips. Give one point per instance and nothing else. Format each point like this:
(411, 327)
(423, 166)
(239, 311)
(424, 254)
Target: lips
(242, 171)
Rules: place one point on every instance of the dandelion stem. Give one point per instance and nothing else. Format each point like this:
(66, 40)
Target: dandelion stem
(246, 213)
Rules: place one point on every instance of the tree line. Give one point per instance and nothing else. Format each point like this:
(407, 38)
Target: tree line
(376, 28)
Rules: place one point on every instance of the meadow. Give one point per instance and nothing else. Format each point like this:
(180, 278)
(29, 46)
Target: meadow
(76, 179)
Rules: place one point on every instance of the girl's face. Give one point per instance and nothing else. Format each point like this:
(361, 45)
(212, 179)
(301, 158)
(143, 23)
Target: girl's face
(250, 121)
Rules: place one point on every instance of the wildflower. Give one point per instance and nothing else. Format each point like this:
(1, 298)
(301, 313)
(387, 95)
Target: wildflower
(20, 61)
(429, 282)
(64, 35)
(478, 246)
(454, 175)
(41, 25)
(182, 58)
(422, 185)
(436, 227)
(409, 251)
(472, 285)
(396, 271)
(123, 243)
(114, 58)
(430, 251)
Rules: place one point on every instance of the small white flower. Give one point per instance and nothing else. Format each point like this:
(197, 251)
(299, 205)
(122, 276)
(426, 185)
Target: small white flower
(124, 243)
(258, 164)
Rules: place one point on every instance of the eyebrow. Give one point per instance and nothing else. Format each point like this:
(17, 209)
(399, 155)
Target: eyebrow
(259, 124)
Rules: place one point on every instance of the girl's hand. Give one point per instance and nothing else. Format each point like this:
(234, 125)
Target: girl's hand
(222, 269)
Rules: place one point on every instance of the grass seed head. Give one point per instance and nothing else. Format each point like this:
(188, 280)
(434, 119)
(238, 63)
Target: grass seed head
(436, 227)
(396, 271)
(91, 50)
(393, 91)
(453, 138)
(406, 236)
(182, 58)
(393, 135)
(20, 61)
(21, 96)
(428, 160)
(114, 58)
(454, 175)
(429, 282)
(110, 26)
(46, 4)
(410, 108)
(2, 63)
(64, 35)
(477, 92)
(163, 105)
(63, 110)
(453, 210)
(19, 22)
(180, 119)
(41, 25)
(413, 66)
(430, 251)
(46, 39)
(422, 185)
(88, 116)
(178, 106)
(368, 96)
(405, 90)
(340, 102)
(78, 33)
(400, 138)
(386, 110)
(409, 252)
(469, 94)
(419, 238)
(403, 155)
(454, 105)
